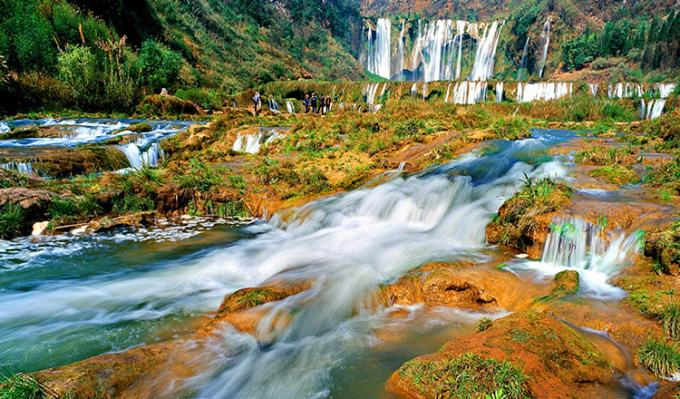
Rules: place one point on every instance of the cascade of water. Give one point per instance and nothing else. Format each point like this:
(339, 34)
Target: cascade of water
(655, 108)
(20, 167)
(625, 90)
(382, 92)
(460, 33)
(133, 154)
(153, 155)
(4, 128)
(665, 89)
(400, 50)
(448, 92)
(273, 106)
(251, 143)
(414, 90)
(290, 107)
(379, 52)
(528, 92)
(593, 88)
(416, 54)
(545, 39)
(499, 92)
(576, 244)
(369, 91)
(470, 93)
(438, 36)
(643, 110)
(424, 90)
(522, 73)
(485, 57)
(333, 242)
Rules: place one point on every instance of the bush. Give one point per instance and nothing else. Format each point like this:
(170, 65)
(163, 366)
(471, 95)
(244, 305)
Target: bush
(659, 357)
(78, 69)
(132, 204)
(159, 65)
(12, 220)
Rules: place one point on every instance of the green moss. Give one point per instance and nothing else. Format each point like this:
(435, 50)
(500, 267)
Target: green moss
(464, 376)
(616, 174)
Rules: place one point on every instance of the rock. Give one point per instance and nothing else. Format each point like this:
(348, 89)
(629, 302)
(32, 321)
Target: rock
(567, 283)
(106, 224)
(555, 358)
(39, 228)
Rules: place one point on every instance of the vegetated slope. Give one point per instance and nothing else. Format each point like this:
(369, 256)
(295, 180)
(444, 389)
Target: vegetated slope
(58, 53)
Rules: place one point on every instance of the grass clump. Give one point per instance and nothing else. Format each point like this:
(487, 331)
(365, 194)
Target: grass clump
(662, 244)
(12, 220)
(659, 357)
(616, 174)
(484, 324)
(604, 156)
(464, 376)
(22, 386)
(670, 320)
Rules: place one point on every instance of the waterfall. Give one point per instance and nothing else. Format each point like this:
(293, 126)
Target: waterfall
(251, 143)
(522, 73)
(654, 108)
(448, 92)
(593, 88)
(665, 89)
(133, 154)
(414, 90)
(4, 128)
(153, 155)
(379, 54)
(485, 58)
(499, 92)
(139, 157)
(424, 90)
(273, 106)
(369, 91)
(437, 51)
(416, 54)
(643, 110)
(546, 91)
(545, 38)
(624, 90)
(469, 93)
(579, 245)
(20, 167)
(460, 32)
(290, 107)
(400, 51)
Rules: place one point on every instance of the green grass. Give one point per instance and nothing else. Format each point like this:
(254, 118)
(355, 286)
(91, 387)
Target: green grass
(659, 357)
(22, 386)
(484, 324)
(464, 376)
(12, 220)
(670, 320)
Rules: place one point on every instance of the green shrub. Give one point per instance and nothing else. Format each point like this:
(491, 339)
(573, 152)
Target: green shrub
(159, 66)
(659, 357)
(484, 324)
(132, 204)
(12, 220)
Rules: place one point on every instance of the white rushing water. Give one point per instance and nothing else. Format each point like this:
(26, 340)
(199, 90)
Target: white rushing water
(499, 92)
(574, 244)
(349, 245)
(625, 90)
(523, 73)
(20, 167)
(370, 91)
(593, 88)
(379, 51)
(437, 52)
(469, 93)
(545, 39)
(290, 107)
(665, 89)
(544, 91)
(251, 143)
(653, 109)
(273, 106)
(4, 128)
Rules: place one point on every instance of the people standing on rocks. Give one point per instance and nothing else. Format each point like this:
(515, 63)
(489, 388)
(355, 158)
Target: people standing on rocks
(257, 100)
(314, 100)
(306, 103)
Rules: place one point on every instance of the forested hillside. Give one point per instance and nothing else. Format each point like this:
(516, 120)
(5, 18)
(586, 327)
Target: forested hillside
(106, 54)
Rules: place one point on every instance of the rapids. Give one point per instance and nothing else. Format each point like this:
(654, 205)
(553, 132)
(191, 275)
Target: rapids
(66, 298)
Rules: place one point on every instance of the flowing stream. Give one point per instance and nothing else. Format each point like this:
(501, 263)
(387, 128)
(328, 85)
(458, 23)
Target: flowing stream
(67, 298)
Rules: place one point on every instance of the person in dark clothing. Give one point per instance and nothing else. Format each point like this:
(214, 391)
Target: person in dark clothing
(314, 100)
(257, 100)
(306, 103)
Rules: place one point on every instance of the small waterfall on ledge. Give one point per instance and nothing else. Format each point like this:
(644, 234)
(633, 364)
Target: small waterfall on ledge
(4, 128)
(139, 157)
(273, 106)
(290, 107)
(25, 168)
(593, 88)
(545, 39)
(469, 93)
(575, 244)
(401, 50)
(251, 143)
(665, 89)
(499, 92)
(528, 92)
(625, 90)
(653, 109)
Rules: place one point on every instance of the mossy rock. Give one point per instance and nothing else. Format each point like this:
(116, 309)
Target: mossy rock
(616, 174)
